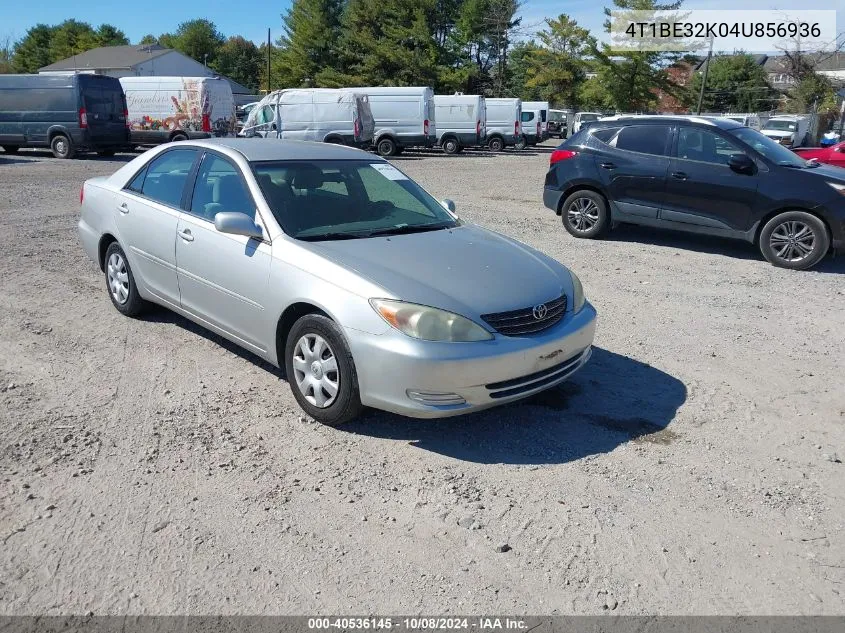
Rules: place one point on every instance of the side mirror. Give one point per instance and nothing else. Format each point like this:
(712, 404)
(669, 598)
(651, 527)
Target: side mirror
(741, 164)
(449, 205)
(237, 224)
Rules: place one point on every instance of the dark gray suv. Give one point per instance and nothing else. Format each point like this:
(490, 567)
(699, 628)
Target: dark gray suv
(711, 176)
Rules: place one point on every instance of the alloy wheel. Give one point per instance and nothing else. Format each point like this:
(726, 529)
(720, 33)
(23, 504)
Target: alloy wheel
(315, 370)
(792, 241)
(118, 278)
(583, 214)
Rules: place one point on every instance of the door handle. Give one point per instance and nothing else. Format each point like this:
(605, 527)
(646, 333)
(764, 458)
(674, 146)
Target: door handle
(679, 175)
(185, 234)
(123, 208)
(608, 166)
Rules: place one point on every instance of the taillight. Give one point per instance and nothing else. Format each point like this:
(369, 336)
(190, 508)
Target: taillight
(206, 123)
(478, 128)
(83, 118)
(126, 118)
(425, 127)
(561, 154)
(538, 129)
(82, 193)
(516, 128)
(357, 128)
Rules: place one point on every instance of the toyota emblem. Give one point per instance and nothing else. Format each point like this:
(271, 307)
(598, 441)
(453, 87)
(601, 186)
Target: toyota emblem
(540, 311)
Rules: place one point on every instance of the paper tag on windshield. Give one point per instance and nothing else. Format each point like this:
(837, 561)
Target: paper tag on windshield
(388, 171)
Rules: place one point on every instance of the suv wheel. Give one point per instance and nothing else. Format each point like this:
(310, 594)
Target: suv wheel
(794, 239)
(62, 147)
(584, 214)
(321, 371)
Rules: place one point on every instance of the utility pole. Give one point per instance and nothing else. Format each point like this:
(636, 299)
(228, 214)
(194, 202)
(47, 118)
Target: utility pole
(704, 80)
(268, 61)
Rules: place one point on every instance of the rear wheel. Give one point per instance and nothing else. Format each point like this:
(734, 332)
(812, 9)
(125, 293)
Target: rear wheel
(11, 149)
(321, 371)
(794, 239)
(584, 214)
(496, 144)
(62, 147)
(451, 146)
(386, 147)
(179, 136)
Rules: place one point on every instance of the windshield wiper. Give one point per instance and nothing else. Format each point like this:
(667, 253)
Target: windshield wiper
(402, 229)
(319, 237)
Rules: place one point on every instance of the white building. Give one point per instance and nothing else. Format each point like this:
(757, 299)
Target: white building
(142, 60)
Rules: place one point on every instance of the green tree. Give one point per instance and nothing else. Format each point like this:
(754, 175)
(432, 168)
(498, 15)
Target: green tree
(6, 53)
(735, 83)
(149, 39)
(594, 93)
(558, 66)
(519, 62)
(33, 51)
(198, 39)
(108, 35)
(309, 44)
(240, 60)
(813, 90)
(71, 38)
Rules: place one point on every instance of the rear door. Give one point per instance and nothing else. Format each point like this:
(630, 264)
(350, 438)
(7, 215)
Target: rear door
(702, 189)
(633, 163)
(105, 107)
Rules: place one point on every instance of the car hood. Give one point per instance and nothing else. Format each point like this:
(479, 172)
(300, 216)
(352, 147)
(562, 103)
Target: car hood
(467, 270)
(828, 172)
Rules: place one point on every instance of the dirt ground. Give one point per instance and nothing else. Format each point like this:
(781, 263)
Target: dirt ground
(693, 467)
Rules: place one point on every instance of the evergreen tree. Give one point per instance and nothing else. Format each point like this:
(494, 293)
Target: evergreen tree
(71, 38)
(149, 39)
(240, 60)
(309, 45)
(735, 83)
(558, 67)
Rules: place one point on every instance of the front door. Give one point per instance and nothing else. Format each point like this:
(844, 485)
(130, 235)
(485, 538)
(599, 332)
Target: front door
(222, 277)
(702, 189)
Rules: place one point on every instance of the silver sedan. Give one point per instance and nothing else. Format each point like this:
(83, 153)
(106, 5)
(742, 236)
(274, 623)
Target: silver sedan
(333, 264)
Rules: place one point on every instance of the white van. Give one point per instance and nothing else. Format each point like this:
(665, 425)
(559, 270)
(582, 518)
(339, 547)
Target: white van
(532, 131)
(313, 114)
(503, 123)
(788, 130)
(543, 108)
(163, 109)
(404, 118)
(461, 121)
(582, 117)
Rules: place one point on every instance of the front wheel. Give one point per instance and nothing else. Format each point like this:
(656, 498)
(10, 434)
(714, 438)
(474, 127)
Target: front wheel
(321, 371)
(521, 143)
(794, 239)
(120, 282)
(584, 214)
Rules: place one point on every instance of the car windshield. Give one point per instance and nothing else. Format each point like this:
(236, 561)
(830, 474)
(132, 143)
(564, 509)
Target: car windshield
(768, 148)
(786, 126)
(346, 199)
(557, 116)
(589, 117)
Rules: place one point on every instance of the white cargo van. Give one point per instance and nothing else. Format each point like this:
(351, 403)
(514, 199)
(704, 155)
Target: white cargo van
(503, 123)
(163, 109)
(532, 131)
(789, 130)
(582, 117)
(404, 118)
(543, 108)
(313, 114)
(461, 121)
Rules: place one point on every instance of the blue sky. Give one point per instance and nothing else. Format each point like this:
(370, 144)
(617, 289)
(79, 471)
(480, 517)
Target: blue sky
(158, 16)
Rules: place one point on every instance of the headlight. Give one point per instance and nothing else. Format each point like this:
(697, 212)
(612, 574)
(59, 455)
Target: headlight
(429, 324)
(840, 188)
(578, 298)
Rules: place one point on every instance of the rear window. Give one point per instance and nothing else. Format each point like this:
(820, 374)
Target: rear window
(104, 102)
(644, 139)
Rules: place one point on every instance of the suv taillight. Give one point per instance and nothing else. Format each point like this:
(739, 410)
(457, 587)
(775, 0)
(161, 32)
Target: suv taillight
(561, 154)
(83, 118)
(425, 127)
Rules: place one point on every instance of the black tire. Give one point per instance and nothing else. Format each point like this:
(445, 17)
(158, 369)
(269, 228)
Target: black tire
(61, 146)
(386, 147)
(334, 140)
(521, 144)
(584, 214)
(11, 149)
(133, 304)
(106, 153)
(178, 137)
(451, 146)
(794, 239)
(346, 404)
(496, 144)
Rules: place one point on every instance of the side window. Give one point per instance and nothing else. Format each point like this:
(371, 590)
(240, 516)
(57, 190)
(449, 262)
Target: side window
(645, 139)
(702, 145)
(220, 187)
(265, 115)
(606, 134)
(527, 116)
(164, 178)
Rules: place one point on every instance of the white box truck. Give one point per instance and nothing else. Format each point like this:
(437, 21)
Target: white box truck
(788, 130)
(163, 109)
(503, 123)
(461, 121)
(313, 114)
(404, 117)
(543, 108)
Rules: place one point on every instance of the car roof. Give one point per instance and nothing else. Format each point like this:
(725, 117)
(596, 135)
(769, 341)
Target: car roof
(261, 149)
(722, 123)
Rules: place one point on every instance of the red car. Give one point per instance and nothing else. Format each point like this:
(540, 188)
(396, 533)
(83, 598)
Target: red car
(833, 155)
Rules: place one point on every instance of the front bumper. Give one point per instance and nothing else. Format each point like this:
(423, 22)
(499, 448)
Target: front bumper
(424, 379)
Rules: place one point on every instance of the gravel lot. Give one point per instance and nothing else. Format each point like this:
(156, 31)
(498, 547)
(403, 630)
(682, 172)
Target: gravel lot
(693, 467)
